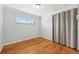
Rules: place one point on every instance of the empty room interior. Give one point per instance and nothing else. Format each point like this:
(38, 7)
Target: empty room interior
(39, 29)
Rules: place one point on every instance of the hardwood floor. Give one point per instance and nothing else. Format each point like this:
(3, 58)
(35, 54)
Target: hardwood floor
(37, 46)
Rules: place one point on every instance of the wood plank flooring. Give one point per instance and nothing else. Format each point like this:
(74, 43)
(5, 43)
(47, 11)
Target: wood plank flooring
(37, 46)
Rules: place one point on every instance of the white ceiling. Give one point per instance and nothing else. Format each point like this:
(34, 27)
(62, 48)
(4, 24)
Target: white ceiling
(43, 10)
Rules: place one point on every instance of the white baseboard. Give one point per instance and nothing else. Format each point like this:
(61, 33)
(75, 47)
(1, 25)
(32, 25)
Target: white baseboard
(46, 38)
(20, 40)
(26, 39)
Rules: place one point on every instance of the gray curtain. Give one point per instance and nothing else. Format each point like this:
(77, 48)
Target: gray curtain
(65, 28)
(57, 28)
(68, 29)
(73, 42)
(54, 28)
(61, 28)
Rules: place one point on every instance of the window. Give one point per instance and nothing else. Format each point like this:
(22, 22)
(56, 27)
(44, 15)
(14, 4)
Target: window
(24, 20)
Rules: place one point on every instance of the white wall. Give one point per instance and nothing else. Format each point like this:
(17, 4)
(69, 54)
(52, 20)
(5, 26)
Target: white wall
(46, 27)
(1, 26)
(14, 32)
